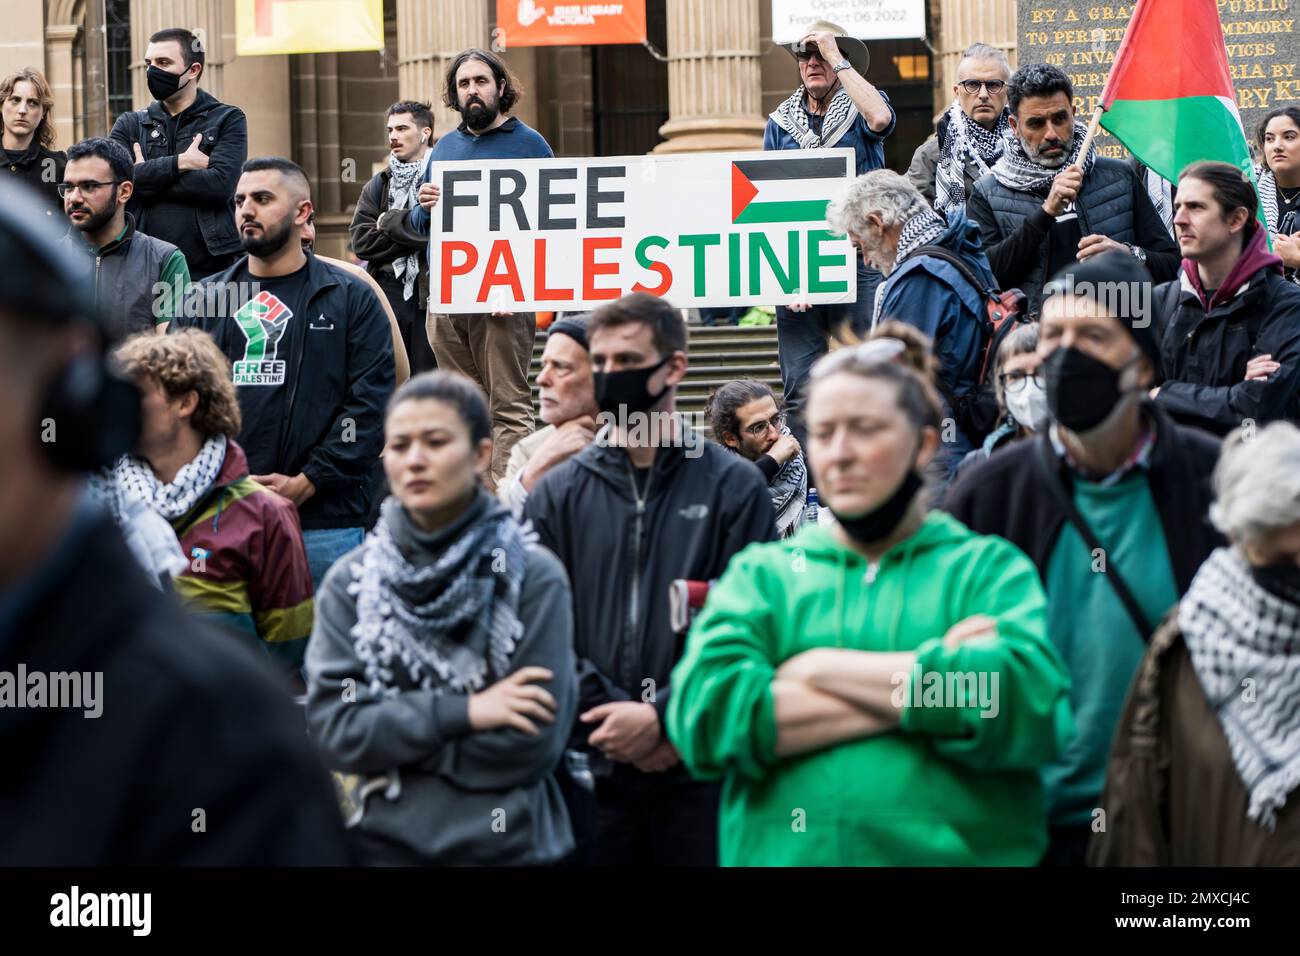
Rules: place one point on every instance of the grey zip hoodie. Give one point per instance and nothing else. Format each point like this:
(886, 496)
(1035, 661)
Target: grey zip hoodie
(466, 797)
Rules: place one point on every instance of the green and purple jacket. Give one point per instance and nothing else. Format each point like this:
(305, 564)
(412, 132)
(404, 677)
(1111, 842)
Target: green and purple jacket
(248, 567)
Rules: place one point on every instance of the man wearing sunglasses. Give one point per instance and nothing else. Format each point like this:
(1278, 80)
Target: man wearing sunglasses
(140, 281)
(835, 106)
(971, 134)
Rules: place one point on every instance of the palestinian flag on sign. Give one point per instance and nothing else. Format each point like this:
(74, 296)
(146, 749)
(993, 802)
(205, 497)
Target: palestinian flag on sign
(775, 190)
(1169, 97)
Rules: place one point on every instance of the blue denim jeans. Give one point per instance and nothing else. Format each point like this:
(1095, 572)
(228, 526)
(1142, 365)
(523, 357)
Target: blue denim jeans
(325, 546)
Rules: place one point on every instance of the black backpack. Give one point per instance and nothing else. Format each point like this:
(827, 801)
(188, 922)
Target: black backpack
(976, 412)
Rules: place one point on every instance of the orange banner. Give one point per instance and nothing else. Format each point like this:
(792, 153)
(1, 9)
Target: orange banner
(530, 23)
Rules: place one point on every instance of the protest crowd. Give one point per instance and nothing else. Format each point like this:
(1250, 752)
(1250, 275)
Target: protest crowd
(1008, 574)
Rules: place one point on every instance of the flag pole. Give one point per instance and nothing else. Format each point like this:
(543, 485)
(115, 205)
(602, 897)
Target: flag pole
(1092, 133)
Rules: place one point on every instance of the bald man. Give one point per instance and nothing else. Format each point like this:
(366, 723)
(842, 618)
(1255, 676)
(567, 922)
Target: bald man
(312, 359)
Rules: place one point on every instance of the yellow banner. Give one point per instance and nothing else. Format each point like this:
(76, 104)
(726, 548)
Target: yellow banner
(264, 27)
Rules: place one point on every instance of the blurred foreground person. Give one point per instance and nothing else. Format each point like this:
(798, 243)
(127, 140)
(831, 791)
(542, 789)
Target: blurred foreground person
(132, 733)
(441, 664)
(1207, 757)
(880, 691)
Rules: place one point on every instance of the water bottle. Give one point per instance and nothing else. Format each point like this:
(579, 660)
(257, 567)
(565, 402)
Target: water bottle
(810, 509)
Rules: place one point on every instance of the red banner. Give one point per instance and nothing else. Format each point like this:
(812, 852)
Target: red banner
(534, 23)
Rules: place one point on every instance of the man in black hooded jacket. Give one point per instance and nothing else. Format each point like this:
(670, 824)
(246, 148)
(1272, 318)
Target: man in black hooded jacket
(648, 502)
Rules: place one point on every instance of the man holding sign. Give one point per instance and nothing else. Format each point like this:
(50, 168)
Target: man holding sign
(834, 106)
(494, 349)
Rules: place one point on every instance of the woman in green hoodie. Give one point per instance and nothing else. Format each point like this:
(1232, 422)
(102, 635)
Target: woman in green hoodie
(879, 691)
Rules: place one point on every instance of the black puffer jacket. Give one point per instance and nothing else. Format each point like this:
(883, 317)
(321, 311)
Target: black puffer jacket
(1112, 202)
(192, 206)
(1205, 355)
(623, 550)
(42, 169)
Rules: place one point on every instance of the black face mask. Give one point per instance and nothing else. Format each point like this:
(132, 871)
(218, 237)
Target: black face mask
(628, 389)
(879, 523)
(1081, 390)
(162, 84)
(1281, 580)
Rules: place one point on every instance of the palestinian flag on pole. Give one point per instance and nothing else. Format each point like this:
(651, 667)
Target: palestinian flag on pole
(1169, 97)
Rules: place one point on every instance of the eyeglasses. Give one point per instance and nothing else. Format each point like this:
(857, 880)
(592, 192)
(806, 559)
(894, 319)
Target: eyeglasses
(807, 54)
(759, 429)
(1015, 381)
(871, 352)
(86, 187)
(973, 86)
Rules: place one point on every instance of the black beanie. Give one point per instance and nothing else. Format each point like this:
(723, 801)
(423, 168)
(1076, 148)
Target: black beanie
(1131, 297)
(574, 326)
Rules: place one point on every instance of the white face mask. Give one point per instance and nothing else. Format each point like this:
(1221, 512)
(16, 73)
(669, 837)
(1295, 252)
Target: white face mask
(1028, 406)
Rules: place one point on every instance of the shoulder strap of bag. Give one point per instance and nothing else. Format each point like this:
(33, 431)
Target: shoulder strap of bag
(962, 266)
(1057, 484)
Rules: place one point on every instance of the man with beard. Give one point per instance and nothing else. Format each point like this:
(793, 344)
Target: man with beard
(381, 232)
(494, 350)
(139, 280)
(835, 106)
(187, 147)
(745, 418)
(972, 134)
(313, 362)
(1043, 206)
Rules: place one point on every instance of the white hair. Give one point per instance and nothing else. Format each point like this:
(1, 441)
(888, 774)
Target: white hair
(881, 191)
(1257, 483)
(982, 51)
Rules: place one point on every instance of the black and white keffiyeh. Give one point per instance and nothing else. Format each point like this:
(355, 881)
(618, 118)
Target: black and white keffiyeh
(1268, 196)
(789, 491)
(840, 116)
(1236, 630)
(451, 624)
(403, 186)
(922, 229)
(1161, 193)
(1015, 170)
(966, 143)
(132, 478)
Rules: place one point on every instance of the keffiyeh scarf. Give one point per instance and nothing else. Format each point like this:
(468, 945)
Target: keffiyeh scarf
(966, 143)
(132, 478)
(840, 116)
(144, 507)
(1268, 196)
(1015, 170)
(789, 491)
(403, 184)
(921, 230)
(1235, 630)
(450, 624)
(1160, 191)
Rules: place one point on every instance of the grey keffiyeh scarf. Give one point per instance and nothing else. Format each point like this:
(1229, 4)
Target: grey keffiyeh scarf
(840, 116)
(789, 491)
(966, 143)
(1234, 630)
(448, 623)
(1015, 170)
(403, 185)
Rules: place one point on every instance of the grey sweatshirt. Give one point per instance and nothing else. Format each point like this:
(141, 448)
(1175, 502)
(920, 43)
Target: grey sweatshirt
(480, 798)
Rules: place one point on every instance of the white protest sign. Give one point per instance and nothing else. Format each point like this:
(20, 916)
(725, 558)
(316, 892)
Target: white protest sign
(864, 19)
(699, 229)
